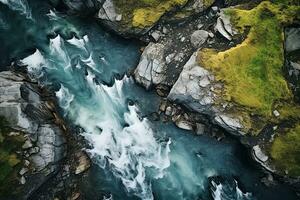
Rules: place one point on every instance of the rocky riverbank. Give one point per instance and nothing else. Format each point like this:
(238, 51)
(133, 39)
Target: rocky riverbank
(236, 67)
(36, 146)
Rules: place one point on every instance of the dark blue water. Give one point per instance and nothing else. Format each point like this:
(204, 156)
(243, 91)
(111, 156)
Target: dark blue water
(133, 157)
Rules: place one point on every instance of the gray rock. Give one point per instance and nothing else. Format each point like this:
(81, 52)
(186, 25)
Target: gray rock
(259, 154)
(295, 65)
(188, 90)
(22, 180)
(198, 38)
(23, 171)
(108, 11)
(156, 35)
(83, 163)
(194, 90)
(165, 30)
(184, 124)
(151, 68)
(224, 26)
(292, 41)
(200, 128)
(276, 113)
(228, 122)
(168, 111)
(27, 144)
(22, 104)
(119, 18)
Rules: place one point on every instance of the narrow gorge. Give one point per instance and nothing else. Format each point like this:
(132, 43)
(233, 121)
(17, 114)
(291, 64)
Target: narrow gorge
(148, 99)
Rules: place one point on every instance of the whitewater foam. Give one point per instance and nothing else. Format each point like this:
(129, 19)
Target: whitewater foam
(18, 5)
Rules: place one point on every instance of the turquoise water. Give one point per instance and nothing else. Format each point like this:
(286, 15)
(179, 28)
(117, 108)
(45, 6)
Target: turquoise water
(133, 157)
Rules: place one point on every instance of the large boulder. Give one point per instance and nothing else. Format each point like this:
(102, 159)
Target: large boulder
(198, 38)
(151, 68)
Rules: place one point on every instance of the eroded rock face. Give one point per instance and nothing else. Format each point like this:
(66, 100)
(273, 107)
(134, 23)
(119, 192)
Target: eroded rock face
(195, 89)
(22, 104)
(151, 68)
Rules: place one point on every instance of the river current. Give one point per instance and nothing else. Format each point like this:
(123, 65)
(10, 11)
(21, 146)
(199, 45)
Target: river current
(133, 157)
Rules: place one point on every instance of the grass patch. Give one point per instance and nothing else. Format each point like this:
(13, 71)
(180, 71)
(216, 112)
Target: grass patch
(252, 71)
(285, 151)
(144, 13)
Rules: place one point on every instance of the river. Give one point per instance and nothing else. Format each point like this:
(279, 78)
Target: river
(133, 157)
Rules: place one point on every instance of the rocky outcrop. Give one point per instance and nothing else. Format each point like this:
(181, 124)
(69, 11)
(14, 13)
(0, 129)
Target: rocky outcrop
(24, 107)
(196, 90)
(151, 68)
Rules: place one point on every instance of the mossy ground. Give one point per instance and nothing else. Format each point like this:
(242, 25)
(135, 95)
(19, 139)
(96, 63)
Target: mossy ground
(144, 13)
(252, 71)
(253, 77)
(9, 161)
(285, 151)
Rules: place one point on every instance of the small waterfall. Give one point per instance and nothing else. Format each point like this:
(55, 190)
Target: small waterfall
(20, 6)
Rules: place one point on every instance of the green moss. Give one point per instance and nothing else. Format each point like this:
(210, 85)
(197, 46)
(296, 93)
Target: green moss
(252, 71)
(144, 13)
(285, 151)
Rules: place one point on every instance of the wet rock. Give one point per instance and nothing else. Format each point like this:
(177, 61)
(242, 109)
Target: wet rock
(151, 68)
(83, 163)
(257, 152)
(184, 124)
(200, 128)
(198, 38)
(163, 106)
(168, 111)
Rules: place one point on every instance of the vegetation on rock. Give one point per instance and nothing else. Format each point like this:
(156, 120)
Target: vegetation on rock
(285, 151)
(252, 71)
(253, 77)
(144, 13)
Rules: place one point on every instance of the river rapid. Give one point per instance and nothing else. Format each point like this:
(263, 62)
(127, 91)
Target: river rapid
(133, 157)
